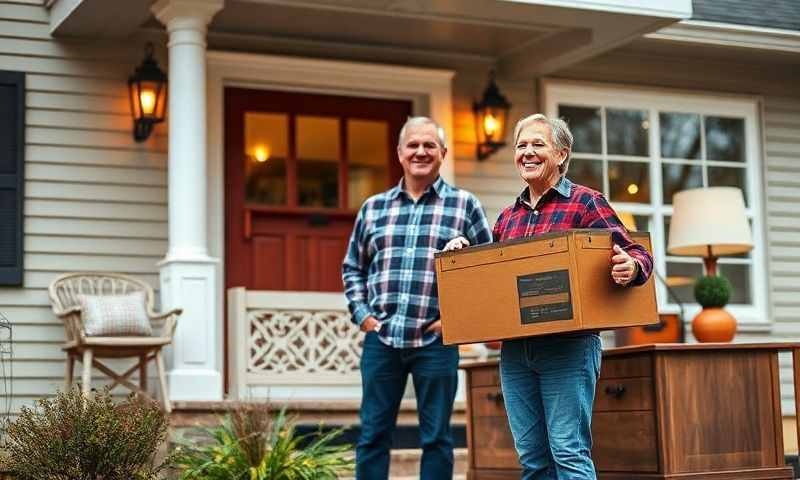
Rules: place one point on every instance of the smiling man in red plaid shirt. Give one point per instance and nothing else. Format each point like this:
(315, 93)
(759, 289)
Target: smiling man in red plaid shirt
(549, 382)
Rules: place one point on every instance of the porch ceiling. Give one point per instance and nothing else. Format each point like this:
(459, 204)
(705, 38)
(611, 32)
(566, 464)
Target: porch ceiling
(522, 38)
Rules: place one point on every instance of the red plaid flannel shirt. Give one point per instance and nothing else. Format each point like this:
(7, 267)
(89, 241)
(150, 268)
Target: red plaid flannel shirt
(569, 205)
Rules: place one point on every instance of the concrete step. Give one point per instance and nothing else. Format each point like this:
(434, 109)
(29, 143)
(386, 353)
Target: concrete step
(405, 464)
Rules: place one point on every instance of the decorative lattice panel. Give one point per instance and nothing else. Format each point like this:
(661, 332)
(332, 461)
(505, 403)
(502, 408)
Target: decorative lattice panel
(303, 343)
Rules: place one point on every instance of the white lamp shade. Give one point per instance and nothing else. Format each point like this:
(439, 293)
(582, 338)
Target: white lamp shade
(709, 217)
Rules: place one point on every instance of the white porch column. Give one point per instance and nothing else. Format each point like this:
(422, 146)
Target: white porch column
(188, 273)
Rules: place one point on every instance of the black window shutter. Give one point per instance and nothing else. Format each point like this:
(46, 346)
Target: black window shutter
(12, 155)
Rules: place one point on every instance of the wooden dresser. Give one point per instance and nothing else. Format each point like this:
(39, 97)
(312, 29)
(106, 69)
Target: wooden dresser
(663, 411)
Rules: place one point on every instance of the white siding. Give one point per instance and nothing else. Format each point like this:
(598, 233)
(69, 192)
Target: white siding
(94, 198)
(782, 167)
(782, 178)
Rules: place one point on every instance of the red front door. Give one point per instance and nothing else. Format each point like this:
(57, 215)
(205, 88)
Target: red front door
(297, 168)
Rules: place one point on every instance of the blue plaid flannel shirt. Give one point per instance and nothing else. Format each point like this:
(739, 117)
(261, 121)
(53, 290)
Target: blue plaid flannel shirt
(388, 271)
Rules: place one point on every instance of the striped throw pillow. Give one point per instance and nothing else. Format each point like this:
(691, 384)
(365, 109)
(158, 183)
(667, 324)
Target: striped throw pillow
(115, 315)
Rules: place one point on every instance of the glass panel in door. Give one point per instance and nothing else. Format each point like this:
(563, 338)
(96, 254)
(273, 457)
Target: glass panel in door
(368, 160)
(318, 152)
(266, 141)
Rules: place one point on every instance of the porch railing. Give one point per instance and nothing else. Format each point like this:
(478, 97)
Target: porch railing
(292, 345)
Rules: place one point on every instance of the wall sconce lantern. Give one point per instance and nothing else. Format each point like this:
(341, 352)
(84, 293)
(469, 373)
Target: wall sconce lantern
(491, 118)
(148, 92)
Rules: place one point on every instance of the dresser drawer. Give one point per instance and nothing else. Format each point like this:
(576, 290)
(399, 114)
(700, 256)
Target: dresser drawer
(487, 402)
(624, 441)
(623, 394)
(492, 443)
(640, 365)
(484, 376)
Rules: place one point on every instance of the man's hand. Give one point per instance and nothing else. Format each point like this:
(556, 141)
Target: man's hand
(435, 327)
(456, 244)
(623, 267)
(368, 325)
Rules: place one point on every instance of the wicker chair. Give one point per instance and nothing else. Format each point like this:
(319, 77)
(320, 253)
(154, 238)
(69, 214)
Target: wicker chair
(64, 293)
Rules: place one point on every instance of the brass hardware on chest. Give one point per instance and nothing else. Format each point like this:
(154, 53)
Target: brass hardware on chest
(495, 397)
(615, 391)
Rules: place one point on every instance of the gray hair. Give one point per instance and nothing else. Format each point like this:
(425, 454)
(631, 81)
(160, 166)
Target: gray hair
(559, 133)
(419, 121)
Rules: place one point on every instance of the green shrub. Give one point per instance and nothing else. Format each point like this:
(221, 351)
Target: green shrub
(713, 291)
(251, 444)
(73, 437)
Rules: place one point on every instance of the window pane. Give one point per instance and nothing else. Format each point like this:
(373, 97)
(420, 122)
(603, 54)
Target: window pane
(642, 223)
(586, 172)
(634, 223)
(739, 275)
(680, 135)
(725, 139)
(728, 177)
(368, 159)
(629, 182)
(585, 126)
(266, 146)
(680, 278)
(318, 150)
(667, 221)
(626, 131)
(680, 177)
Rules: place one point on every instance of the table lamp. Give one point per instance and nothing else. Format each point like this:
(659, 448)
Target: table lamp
(709, 223)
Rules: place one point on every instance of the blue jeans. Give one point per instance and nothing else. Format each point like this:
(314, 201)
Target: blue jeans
(384, 372)
(548, 385)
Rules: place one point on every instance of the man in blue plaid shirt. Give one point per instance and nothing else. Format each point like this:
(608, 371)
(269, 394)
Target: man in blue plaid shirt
(390, 284)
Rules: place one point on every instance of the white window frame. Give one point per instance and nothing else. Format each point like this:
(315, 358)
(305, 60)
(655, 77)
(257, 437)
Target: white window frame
(555, 92)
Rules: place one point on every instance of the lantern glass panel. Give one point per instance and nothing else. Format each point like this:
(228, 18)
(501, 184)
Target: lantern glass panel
(491, 124)
(136, 106)
(148, 99)
(479, 120)
(161, 101)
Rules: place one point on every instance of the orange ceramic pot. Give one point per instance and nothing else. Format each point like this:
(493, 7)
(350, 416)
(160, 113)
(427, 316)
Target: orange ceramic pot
(714, 325)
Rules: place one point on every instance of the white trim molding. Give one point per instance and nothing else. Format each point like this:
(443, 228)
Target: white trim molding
(730, 35)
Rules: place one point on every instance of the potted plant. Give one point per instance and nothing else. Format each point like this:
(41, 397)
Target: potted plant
(253, 444)
(77, 437)
(713, 323)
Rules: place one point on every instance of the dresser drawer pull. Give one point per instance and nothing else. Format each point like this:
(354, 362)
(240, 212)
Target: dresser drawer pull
(615, 391)
(495, 397)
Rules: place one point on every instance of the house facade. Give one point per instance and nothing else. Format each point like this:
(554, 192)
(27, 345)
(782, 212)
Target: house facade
(282, 118)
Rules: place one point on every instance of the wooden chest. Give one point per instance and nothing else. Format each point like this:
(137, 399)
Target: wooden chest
(668, 411)
(552, 283)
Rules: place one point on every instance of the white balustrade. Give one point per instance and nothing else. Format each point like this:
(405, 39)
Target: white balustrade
(292, 345)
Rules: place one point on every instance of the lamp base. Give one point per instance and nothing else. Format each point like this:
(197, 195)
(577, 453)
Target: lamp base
(714, 325)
